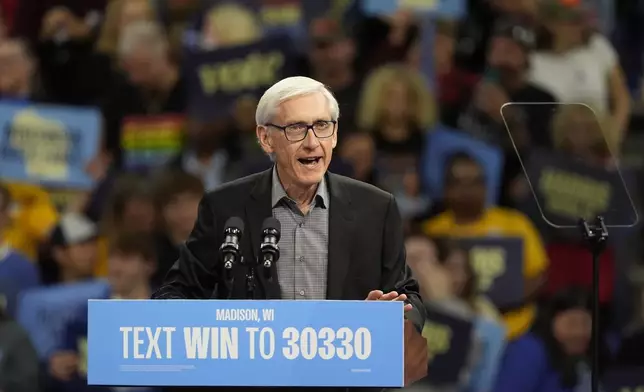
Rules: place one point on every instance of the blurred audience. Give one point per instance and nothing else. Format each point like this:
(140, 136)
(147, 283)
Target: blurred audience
(428, 104)
(468, 216)
(555, 355)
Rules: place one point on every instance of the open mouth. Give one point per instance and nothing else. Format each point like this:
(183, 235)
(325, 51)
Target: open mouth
(310, 161)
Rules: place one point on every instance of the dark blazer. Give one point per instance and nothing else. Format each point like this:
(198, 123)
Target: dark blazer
(366, 246)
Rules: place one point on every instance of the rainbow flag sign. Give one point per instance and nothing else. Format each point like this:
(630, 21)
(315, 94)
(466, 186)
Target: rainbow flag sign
(150, 141)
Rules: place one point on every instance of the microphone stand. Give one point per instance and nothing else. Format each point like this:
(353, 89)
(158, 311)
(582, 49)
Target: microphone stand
(595, 235)
(250, 279)
(229, 276)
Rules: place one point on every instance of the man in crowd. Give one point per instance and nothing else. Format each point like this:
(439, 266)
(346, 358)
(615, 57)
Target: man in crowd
(74, 243)
(341, 239)
(132, 261)
(467, 216)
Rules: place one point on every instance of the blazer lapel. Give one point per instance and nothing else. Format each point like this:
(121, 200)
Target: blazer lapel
(259, 208)
(341, 225)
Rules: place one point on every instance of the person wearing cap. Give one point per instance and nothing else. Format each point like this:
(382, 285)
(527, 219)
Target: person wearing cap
(506, 80)
(577, 64)
(74, 244)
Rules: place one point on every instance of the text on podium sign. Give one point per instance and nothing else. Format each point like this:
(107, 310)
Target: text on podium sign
(218, 343)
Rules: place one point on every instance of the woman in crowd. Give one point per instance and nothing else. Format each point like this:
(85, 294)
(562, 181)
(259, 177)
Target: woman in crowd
(447, 280)
(554, 356)
(576, 64)
(577, 132)
(398, 108)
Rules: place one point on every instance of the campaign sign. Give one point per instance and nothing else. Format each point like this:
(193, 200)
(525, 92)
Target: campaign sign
(151, 141)
(219, 343)
(49, 145)
(217, 78)
(568, 189)
(629, 379)
(444, 142)
(453, 9)
(498, 264)
(448, 342)
(45, 312)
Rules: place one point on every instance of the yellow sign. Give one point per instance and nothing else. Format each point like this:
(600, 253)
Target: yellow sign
(82, 356)
(438, 336)
(249, 73)
(488, 263)
(572, 195)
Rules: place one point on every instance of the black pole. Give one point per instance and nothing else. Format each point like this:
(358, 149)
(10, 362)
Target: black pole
(596, 236)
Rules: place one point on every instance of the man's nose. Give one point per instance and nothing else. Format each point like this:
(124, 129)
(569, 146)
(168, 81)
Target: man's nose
(311, 141)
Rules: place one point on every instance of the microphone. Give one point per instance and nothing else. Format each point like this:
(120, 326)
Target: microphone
(229, 250)
(270, 250)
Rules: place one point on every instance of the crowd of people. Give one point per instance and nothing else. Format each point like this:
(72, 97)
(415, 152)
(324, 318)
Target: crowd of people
(428, 104)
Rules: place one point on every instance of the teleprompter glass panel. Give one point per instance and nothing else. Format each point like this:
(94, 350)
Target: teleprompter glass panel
(571, 163)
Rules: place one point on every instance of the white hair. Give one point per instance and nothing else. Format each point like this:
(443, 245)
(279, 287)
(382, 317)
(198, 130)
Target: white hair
(290, 88)
(144, 34)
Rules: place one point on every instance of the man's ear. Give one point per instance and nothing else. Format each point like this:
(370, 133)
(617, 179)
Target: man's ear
(335, 135)
(264, 139)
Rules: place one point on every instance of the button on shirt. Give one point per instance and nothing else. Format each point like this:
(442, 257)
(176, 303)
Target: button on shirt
(304, 244)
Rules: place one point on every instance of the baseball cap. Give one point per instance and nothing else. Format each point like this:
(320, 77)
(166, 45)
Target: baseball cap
(518, 31)
(72, 229)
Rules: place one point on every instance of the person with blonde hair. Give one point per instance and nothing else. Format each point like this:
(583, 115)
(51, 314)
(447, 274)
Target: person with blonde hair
(579, 130)
(230, 24)
(397, 107)
(118, 15)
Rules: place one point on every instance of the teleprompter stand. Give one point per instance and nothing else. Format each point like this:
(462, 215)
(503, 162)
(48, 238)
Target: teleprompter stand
(595, 236)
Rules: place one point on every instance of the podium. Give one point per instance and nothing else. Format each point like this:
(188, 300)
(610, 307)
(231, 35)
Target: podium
(222, 342)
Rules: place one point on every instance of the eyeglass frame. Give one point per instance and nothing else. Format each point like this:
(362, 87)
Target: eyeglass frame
(309, 127)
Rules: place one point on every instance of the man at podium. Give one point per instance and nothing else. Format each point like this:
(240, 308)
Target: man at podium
(341, 239)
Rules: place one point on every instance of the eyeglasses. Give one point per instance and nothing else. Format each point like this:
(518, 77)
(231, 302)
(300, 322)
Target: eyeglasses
(296, 132)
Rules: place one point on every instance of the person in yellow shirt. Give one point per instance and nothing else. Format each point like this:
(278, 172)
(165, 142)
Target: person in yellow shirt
(32, 217)
(467, 216)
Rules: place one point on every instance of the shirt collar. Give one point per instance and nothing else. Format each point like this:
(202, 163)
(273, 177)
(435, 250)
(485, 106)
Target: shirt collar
(278, 193)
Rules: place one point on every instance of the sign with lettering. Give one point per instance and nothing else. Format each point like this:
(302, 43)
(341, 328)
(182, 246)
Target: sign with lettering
(443, 8)
(448, 342)
(498, 265)
(48, 145)
(216, 343)
(567, 189)
(629, 379)
(151, 141)
(217, 78)
(44, 312)
(444, 142)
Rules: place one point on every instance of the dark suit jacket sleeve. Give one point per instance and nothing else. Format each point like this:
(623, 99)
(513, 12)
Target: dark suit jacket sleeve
(194, 275)
(396, 275)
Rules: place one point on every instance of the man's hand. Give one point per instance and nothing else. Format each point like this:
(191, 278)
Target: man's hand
(416, 354)
(63, 365)
(377, 295)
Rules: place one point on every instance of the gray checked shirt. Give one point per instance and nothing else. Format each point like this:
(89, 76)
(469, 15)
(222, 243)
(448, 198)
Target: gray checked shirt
(304, 245)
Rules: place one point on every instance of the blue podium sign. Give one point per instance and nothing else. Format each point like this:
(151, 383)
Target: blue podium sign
(220, 343)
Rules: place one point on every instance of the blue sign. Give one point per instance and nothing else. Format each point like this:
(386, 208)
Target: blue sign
(219, 343)
(49, 145)
(453, 9)
(444, 142)
(45, 312)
